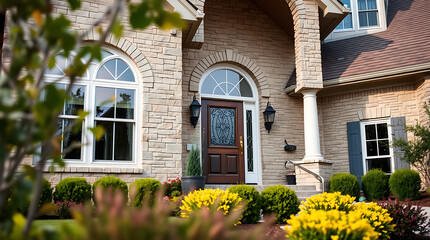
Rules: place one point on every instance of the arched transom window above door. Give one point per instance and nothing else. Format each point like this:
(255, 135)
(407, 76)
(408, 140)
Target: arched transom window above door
(226, 82)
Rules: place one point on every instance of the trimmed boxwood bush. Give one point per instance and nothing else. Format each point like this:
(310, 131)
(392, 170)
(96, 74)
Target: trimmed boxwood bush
(405, 183)
(281, 201)
(114, 183)
(145, 187)
(375, 185)
(253, 202)
(72, 189)
(346, 184)
(46, 193)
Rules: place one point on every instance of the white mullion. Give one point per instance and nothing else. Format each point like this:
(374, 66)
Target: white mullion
(226, 83)
(113, 142)
(123, 72)
(116, 69)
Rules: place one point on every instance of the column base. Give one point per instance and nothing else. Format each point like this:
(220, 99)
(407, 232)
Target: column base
(317, 165)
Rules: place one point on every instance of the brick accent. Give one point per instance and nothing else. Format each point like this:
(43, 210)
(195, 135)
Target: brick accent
(307, 44)
(229, 56)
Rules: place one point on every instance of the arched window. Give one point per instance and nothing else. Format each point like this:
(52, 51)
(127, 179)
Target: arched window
(226, 82)
(109, 92)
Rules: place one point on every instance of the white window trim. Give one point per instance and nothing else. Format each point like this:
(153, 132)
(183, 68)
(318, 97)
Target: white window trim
(87, 148)
(356, 21)
(248, 104)
(363, 143)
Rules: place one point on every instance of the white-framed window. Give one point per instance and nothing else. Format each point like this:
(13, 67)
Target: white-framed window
(347, 22)
(363, 14)
(376, 138)
(109, 91)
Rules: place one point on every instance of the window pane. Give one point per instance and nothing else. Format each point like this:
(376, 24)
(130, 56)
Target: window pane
(370, 132)
(373, 18)
(249, 143)
(104, 105)
(124, 72)
(371, 4)
(363, 19)
(384, 147)
(77, 100)
(104, 147)
(60, 65)
(362, 5)
(71, 137)
(347, 22)
(107, 70)
(371, 148)
(125, 103)
(379, 163)
(382, 130)
(123, 141)
(222, 126)
(209, 85)
(245, 89)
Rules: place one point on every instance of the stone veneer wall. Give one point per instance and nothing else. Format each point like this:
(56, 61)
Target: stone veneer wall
(240, 26)
(337, 110)
(161, 77)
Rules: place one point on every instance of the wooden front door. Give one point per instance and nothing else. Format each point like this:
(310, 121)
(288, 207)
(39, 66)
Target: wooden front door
(222, 141)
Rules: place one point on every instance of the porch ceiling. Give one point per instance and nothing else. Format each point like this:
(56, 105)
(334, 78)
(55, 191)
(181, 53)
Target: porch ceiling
(331, 13)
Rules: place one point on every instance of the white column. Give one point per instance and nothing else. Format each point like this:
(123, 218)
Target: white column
(312, 136)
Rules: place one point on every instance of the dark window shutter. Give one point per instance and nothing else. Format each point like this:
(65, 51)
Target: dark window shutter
(398, 132)
(354, 149)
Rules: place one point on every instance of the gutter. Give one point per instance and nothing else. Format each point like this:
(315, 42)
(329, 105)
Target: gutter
(369, 77)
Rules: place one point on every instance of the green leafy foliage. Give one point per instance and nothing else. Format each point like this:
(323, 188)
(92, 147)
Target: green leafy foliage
(29, 108)
(409, 220)
(144, 189)
(252, 198)
(405, 183)
(281, 201)
(417, 151)
(114, 219)
(375, 185)
(113, 183)
(73, 189)
(346, 184)
(193, 167)
(46, 194)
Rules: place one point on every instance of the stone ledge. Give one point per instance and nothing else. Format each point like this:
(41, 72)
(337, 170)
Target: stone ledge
(95, 170)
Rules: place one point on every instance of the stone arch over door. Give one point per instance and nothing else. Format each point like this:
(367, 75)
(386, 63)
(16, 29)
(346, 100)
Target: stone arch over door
(132, 51)
(228, 56)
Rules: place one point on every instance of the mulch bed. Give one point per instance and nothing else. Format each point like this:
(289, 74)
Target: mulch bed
(424, 200)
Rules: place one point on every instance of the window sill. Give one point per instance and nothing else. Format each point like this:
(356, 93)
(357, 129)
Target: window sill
(95, 169)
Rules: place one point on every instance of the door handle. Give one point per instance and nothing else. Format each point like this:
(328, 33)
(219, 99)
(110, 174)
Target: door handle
(241, 145)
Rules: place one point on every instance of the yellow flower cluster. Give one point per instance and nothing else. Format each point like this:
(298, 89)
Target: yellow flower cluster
(333, 216)
(211, 198)
(328, 201)
(377, 217)
(332, 224)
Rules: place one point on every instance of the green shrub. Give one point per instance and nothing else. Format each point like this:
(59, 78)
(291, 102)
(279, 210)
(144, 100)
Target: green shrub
(193, 165)
(145, 187)
(253, 202)
(346, 184)
(375, 185)
(280, 200)
(405, 183)
(114, 183)
(46, 193)
(72, 189)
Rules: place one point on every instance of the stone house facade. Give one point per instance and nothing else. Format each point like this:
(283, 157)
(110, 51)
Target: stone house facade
(338, 92)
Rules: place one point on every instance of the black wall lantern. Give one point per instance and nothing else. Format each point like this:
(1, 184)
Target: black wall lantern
(269, 116)
(195, 111)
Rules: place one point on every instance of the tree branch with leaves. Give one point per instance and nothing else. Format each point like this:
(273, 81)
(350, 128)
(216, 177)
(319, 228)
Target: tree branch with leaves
(417, 151)
(29, 107)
